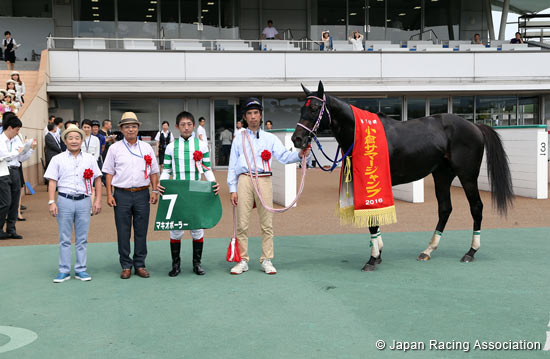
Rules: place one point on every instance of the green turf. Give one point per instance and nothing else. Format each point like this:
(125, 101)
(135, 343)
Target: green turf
(319, 305)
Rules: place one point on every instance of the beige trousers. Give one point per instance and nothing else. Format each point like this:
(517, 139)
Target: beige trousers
(245, 204)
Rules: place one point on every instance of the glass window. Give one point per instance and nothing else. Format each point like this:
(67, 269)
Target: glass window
(169, 110)
(441, 20)
(439, 105)
(96, 109)
(392, 107)
(94, 19)
(137, 18)
(68, 108)
(376, 20)
(189, 19)
(463, 106)
(200, 107)
(367, 104)
(229, 22)
(328, 15)
(169, 16)
(282, 112)
(528, 111)
(146, 110)
(496, 110)
(403, 20)
(26, 8)
(416, 107)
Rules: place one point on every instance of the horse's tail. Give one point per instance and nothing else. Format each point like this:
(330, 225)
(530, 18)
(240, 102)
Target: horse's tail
(497, 170)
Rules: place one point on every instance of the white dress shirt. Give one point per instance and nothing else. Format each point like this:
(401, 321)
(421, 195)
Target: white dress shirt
(68, 171)
(201, 131)
(16, 143)
(270, 32)
(92, 146)
(7, 153)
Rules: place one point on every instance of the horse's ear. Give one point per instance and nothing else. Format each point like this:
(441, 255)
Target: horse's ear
(307, 92)
(320, 89)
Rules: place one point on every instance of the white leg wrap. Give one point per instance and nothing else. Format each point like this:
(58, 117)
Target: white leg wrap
(476, 240)
(434, 243)
(380, 243)
(375, 244)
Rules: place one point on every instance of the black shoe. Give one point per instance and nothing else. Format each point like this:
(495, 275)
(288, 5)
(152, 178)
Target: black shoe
(4, 235)
(23, 208)
(14, 235)
(197, 255)
(21, 219)
(176, 260)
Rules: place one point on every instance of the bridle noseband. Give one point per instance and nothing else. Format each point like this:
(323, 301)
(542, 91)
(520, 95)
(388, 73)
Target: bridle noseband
(313, 131)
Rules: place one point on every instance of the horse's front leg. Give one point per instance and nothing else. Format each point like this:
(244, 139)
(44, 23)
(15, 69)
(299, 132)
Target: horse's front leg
(376, 249)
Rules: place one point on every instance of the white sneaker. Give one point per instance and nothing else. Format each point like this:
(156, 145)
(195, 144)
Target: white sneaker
(240, 267)
(268, 267)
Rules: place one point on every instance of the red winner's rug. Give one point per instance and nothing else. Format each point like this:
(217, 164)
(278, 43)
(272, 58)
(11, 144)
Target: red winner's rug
(366, 198)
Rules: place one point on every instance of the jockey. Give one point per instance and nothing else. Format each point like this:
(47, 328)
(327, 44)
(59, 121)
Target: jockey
(181, 160)
(243, 195)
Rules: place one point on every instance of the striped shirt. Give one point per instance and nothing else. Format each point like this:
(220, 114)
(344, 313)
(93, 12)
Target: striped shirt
(179, 162)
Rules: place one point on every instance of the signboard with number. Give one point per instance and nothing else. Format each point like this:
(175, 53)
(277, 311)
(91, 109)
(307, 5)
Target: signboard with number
(187, 205)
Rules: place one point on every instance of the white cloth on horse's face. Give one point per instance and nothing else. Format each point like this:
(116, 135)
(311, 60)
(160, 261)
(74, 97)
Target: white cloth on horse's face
(266, 141)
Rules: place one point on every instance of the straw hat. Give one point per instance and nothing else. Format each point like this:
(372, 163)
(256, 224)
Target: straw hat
(128, 118)
(72, 128)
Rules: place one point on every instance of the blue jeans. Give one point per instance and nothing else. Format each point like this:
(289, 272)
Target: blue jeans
(73, 214)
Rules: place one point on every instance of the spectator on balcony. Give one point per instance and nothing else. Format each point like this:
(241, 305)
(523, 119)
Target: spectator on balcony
(19, 86)
(517, 39)
(326, 41)
(477, 40)
(356, 40)
(270, 32)
(9, 45)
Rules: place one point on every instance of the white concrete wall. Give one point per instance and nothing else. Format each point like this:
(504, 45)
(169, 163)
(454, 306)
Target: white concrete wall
(527, 150)
(284, 176)
(196, 72)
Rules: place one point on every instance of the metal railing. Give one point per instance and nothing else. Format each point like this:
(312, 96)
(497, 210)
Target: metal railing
(429, 31)
(534, 27)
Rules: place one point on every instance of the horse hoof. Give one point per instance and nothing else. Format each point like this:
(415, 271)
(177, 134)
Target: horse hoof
(467, 258)
(378, 260)
(368, 268)
(423, 257)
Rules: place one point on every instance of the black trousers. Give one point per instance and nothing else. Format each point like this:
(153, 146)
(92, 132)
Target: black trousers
(10, 190)
(132, 208)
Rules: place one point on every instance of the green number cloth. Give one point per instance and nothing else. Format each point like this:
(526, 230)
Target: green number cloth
(187, 204)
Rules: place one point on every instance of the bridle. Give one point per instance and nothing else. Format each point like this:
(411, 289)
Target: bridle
(313, 131)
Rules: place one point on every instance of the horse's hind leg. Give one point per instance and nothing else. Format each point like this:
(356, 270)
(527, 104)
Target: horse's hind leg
(376, 249)
(443, 176)
(476, 209)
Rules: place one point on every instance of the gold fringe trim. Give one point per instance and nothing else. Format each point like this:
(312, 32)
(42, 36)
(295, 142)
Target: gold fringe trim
(367, 217)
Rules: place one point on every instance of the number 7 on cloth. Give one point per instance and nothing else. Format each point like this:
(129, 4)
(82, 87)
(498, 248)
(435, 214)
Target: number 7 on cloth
(187, 205)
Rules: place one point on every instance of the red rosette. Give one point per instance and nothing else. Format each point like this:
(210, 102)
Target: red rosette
(148, 160)
(88, 174)
(197, 156)
(266, 155)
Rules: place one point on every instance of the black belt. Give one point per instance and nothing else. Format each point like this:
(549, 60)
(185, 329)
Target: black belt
(74, 198)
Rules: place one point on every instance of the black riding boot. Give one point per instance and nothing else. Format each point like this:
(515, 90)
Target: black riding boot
(176, 260)
(197, 255)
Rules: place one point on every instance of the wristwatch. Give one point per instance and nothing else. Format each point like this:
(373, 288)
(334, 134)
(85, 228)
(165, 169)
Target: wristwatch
(51, 201)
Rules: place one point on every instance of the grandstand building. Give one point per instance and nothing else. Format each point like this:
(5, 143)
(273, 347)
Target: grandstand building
(95, 59)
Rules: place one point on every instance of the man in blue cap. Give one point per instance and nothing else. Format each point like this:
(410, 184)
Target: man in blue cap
(266, 146)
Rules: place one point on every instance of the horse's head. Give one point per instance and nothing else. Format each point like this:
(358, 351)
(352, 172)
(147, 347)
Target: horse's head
(311, 115)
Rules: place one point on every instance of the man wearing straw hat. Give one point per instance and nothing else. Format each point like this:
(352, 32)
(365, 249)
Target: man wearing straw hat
(243, 196)
(131, 168)
(74, 173)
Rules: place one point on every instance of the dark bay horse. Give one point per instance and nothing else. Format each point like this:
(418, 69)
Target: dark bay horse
(445, 145)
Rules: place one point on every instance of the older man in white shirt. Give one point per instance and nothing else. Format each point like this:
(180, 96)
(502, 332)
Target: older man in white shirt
(74, 173)
(12, 153)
